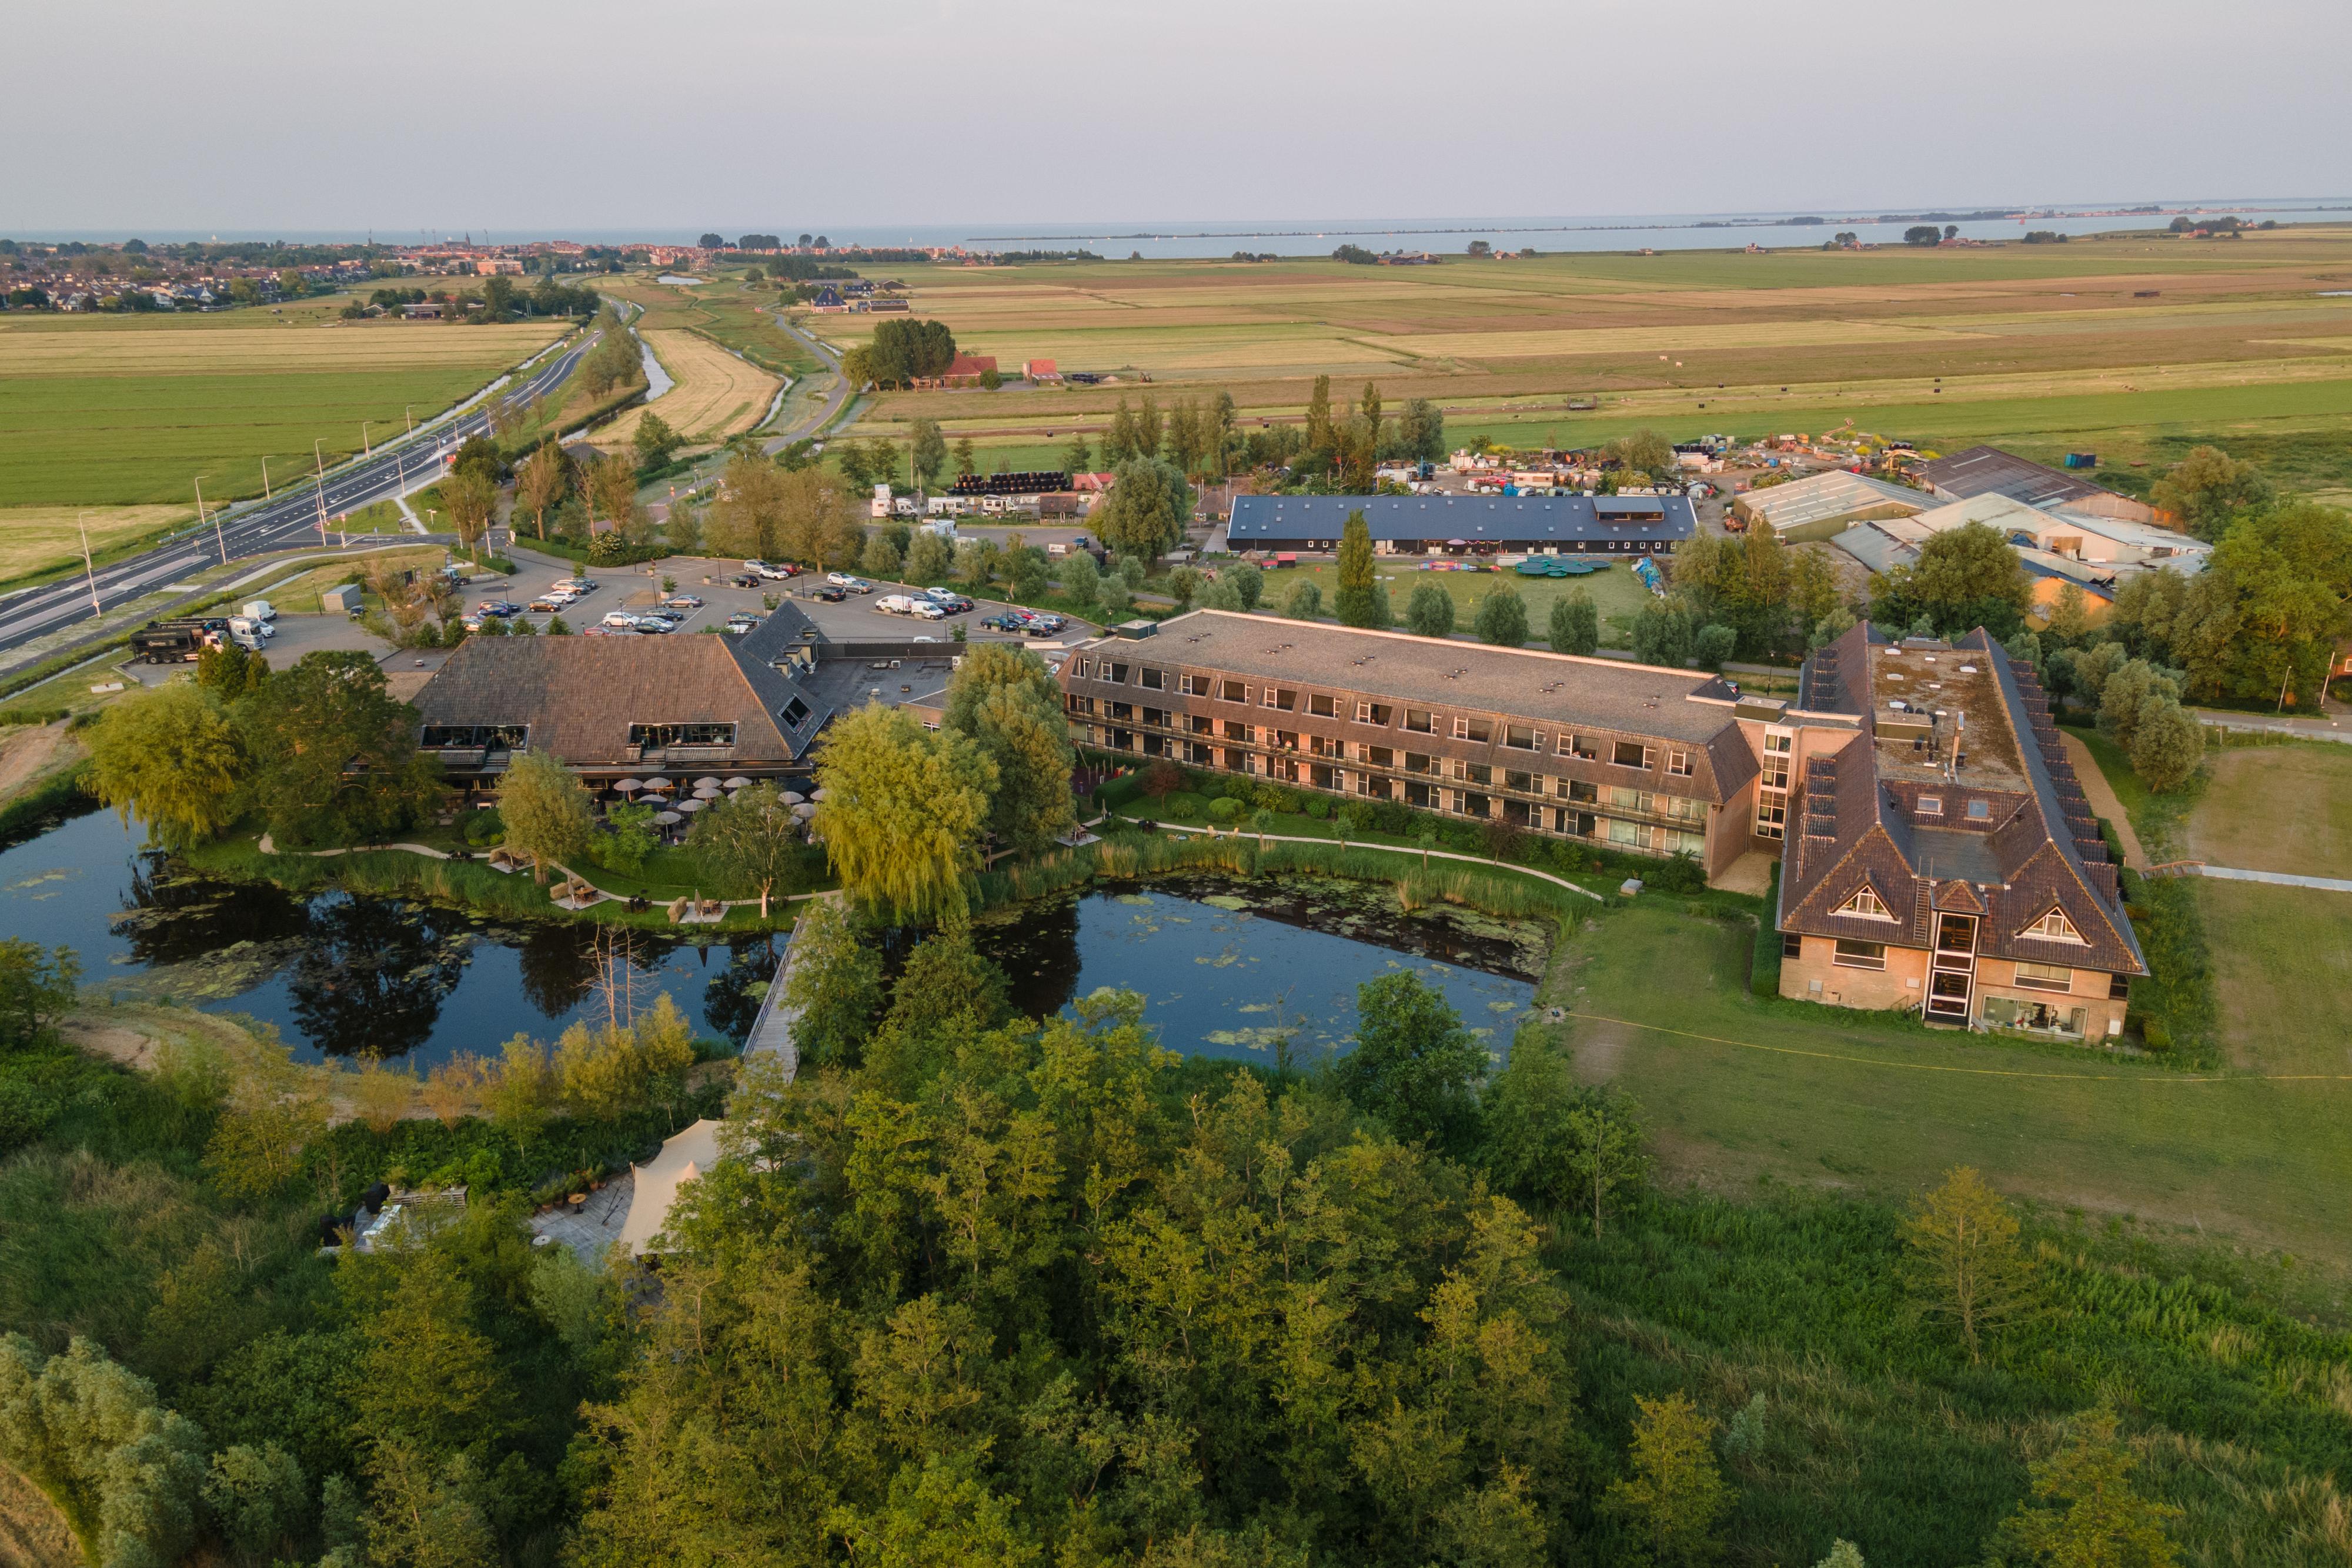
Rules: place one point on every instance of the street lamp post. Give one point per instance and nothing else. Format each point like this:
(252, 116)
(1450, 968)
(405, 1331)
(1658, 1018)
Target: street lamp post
(219, 538)
(265, 481)
(366, 449)
(88, 571)
(320, 458)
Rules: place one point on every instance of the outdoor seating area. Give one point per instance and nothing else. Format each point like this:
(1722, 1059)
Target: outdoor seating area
(509, 861)
(575, 895)
(697, 910)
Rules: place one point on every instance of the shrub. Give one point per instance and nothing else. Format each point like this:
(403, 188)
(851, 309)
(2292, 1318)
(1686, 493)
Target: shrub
(484, 828)
(1318, 806)
(1225, 810)
(1358, 815)
(1272, 797)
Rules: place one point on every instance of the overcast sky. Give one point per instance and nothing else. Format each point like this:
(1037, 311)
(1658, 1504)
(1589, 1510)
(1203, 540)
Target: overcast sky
(665, 117)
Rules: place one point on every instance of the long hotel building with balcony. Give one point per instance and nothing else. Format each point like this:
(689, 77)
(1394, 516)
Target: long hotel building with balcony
(1629, 755)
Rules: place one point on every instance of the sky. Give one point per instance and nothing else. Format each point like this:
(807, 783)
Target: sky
(662, 117)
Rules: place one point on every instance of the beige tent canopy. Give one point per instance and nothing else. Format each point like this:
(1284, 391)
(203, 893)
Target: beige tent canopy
(682, 1159)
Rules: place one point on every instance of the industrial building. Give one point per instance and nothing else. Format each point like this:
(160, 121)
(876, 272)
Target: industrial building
(1467, 525)
(1987, 470)
(1823, 506)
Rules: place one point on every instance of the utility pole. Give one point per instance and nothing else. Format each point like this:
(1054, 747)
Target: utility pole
(218, 537)
(412, 419)
(321, 459)
(365, 449)
(265, 481)
(88, 571)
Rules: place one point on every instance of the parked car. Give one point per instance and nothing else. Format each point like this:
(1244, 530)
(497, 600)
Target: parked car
(755, 566)
(953, 604)
(1006, 624)
(848, 583)
(823, 591)
(501, 608)
(927, 611)
(780, 571)
(893, 604)
(655, 626)
(739, 624)
(621, 621)
(682, 601)
(550, 605)
(744, 580)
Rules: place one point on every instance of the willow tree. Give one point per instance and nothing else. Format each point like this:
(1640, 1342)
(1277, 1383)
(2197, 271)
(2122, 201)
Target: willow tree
(902, 812)
(168, 759)
(753, 841)
(1006, 701)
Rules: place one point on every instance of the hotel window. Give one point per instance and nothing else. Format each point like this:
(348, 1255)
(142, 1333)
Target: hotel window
(1475, 772)
(1372, 712)
(1771, 817)
(1152, 680)
(1776, 773)
(661, 735)
(1626, 799)
(1776, 741)
(1080, 666)
(1194, 685)
(1158, 715)
(1321, 705)
(1792, 946)
(1931, 805)
(1578, 790)
(1235, 691)
(2053, 926)
(1979, 810)
(1378, 755)
(1479, 730)
(1082, 704)
(1860, 954)
(1525, 783)
(1679, 764)
(1280, 697)
(1522, 737)
(1199, 724)
(1420, 721)
(1867, 905)
(2044, 977)
(1632, 754)
(1414, 762)
(1114, 673)
(1236, 731)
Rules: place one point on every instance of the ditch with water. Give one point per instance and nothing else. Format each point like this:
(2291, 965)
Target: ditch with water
(1264, 969)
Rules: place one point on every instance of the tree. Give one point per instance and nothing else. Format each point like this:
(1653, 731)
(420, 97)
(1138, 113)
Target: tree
(655, 441)
(544, 480)
(1005, 700)
(37, 989)
(1421, 431)
(2168, 745)
(904, 351)
(1150, 428)
(612, 487)
(1922, 233)
(93, 1434)
(1662, 634)
(752, 841)
(2208, 488)
(1502, 617)
(273, 1116)
(928, 450)
(1644, 452)
(929, 558)
(902, 812)
(333, 757)
(1965, 577)
(257, 1498)
(1414, 1066)
(1675, 1494)
(1575, 624)
(169, 759)
(835, 986)
(546, 811)
(1963, 1260)
(2084, 1512)
(1320, 435)
(1075, 457)
(424, 1515)
(1713, 644)
(1304, 601)
(1354, 603)
(1604, 1149)
(881, 559)
(1182, 584)
(1146, 510)
(2123, 694)
(857, 469)
(473, 503)
(1248, 582)
(1429, 611)
(229, 672)
(818, 520)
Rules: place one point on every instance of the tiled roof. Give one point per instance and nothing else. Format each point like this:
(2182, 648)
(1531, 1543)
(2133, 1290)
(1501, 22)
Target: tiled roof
(1494, 519)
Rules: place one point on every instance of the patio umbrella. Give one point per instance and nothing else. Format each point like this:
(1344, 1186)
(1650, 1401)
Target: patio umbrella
(805, 811)
(1458, 542)
(701, 784)
(816, 794)
(667, 818)
(738, 782)
(692, 805)
(627, 784)
(706, 791)
(659, 783)
(791, 796)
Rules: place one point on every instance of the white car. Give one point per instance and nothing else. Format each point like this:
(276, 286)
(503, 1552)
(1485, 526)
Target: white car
(621, 621)
(848, 583)
(925, 611)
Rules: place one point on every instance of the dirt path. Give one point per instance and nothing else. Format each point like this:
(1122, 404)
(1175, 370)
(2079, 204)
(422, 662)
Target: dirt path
(2103, 800)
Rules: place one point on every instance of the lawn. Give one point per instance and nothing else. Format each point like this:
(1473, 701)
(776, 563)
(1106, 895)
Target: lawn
(2281, 974)
(2277, 808)
(131, 412)
(1616, 593)
(1742, 1090)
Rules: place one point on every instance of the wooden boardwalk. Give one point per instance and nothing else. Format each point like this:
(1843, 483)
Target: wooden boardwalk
(773, 1029)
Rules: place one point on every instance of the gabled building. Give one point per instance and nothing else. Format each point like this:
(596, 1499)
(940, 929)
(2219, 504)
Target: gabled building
(1467, 525)
(1940, 855)
(1987, 470)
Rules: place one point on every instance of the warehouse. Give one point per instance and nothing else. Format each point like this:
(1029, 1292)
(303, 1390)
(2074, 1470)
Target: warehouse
(1467, 525)
(1822, 507)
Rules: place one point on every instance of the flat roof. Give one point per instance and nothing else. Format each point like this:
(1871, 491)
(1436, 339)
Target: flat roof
(1559, 688)
(1957, 688)
(1835, 494)
(1471, 519)
(1989, 468)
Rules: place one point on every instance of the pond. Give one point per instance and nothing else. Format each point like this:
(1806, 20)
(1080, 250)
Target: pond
(1261, 969)
(1226, 966)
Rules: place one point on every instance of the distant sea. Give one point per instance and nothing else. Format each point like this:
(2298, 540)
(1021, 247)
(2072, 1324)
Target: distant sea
(1318, 236)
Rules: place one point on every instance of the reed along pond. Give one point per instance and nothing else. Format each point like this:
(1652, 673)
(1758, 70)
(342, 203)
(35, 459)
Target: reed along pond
(1261, 969)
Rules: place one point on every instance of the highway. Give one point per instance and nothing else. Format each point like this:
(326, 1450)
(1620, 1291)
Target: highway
(287, 521)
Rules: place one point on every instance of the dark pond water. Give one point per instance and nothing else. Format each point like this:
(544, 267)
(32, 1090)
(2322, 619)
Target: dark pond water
(1224, 967)
(1230, 967)
(341, 975)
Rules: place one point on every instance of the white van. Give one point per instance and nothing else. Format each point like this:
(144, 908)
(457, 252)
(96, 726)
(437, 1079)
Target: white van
(260, 610)
(894, 604)
(251, 631)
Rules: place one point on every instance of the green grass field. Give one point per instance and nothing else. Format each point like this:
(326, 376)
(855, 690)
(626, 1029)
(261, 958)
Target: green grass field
(1616, 593)
(2277, 808)
(131, 412)
(1742, 1090)
(2137, 347)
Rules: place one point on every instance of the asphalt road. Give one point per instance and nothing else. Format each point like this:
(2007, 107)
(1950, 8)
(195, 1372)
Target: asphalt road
(289, 520)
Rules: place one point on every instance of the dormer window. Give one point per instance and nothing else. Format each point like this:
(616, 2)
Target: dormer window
(1931, 805)
(2053, 927)
(1979, 810)
(1867, 905)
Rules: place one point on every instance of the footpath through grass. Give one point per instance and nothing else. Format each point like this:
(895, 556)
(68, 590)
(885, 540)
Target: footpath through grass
(1740, 1089)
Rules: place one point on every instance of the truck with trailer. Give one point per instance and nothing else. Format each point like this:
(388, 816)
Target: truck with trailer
(179, 640)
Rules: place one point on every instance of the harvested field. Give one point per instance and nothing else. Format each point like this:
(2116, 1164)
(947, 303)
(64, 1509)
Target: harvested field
(717, 394)
(35, 538)
(2278, 807)
(104, 413)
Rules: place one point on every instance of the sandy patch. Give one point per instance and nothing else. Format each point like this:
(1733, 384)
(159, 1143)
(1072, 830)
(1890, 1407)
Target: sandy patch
(33, 1533)
(26, 753)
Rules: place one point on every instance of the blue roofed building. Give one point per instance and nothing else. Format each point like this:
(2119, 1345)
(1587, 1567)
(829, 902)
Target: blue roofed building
(1467, 525)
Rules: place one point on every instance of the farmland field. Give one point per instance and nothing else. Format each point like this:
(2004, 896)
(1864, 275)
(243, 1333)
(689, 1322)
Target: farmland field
(128, 411)
(2134, 347)
(33, 537)
(717, 395)
(2278, 807)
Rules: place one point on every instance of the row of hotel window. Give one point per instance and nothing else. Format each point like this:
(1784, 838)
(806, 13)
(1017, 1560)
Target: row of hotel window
(1852, 955)
(1479, 729)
